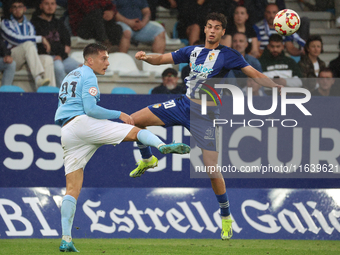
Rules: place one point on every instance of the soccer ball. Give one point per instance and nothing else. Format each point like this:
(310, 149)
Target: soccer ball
(286, 22)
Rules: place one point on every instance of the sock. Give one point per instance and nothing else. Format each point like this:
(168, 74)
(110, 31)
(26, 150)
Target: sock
(37, 78)
(145, 150)
(68, 209)
(148, 138)
(224, 204)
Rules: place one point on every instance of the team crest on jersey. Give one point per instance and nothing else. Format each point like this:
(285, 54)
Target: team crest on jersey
(156, 105)
(93, 91)
(211, 56)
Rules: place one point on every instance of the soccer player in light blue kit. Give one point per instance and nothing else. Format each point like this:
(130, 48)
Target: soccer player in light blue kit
(86, 127)
(208, 61)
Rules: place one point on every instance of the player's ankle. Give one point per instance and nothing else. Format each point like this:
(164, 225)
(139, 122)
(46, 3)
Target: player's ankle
(160, 145)
(147, 159)
(67, 238)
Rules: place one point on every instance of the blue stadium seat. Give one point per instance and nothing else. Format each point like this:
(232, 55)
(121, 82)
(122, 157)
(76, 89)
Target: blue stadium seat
(11, 88)
(48, 89)
(122, 90)
(181, 65)
(150, 90)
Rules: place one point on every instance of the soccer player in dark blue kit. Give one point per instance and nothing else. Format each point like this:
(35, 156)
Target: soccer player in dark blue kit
(206, 62)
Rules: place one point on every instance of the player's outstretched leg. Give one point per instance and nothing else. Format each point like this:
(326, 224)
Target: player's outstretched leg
(146, 139)
(68, 209)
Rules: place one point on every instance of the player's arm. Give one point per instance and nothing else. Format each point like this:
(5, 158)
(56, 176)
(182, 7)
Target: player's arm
(259, 78)
(155, 59)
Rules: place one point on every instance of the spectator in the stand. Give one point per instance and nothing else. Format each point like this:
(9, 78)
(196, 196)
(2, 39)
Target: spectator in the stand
(7, 64)
(47, 25)
(257, 89)
(169, 84)
(326, 81)
(134, 18)
(240, 23)
(240, 43)
(169, 4)
(283, 70)
(20, 37)
(191, 19)
(335, 66)
(265, 28)
(310, 63)
(95, 19)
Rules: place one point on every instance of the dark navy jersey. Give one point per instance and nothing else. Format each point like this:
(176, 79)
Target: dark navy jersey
(207, 67)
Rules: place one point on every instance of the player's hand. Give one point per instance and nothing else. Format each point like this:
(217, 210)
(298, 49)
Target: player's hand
(8, 59)
(140, 55)
(46, 45)
(279, 87)
(126, 118)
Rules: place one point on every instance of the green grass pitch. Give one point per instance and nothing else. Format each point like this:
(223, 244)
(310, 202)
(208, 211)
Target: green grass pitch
(173, 246)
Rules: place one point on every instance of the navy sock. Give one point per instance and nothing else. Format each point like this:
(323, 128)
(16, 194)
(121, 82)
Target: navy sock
(224, 204)
(145, 150)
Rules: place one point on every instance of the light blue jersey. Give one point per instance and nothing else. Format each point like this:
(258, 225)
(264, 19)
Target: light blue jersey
(79, 95)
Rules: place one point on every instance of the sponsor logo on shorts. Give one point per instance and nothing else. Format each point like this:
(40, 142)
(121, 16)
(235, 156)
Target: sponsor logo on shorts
(209, 133)
(156, 105)
(93, 91)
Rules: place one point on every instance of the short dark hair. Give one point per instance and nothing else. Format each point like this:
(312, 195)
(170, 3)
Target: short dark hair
(241, 33)
(93, 48)
(275, 38)
(217, 16)
(326, 69)
(313, 38)
(17, 1)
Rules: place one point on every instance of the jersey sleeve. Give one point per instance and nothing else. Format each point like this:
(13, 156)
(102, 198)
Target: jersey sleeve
(182, 55)
(89, 93)
(234, 60)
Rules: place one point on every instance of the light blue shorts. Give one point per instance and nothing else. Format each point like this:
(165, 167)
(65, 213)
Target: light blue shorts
(146, 35)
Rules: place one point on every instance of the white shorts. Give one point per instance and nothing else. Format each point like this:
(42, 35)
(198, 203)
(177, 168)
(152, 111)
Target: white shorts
(83, 135)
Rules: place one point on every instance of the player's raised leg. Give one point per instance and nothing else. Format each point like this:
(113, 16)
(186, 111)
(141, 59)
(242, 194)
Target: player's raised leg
(74, 182)
(218, 185)
(146, 139)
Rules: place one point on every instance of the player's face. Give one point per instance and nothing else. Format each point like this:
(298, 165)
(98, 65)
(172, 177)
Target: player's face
(326, 80)
(314, 48)
(18, 10)
(48, 7)
(240, 43)
(213, 31)
(100, 62)
(275, 48)
(240, 15)
(270, 13)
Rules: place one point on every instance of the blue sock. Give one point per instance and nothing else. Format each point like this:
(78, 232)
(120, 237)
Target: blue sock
(144, 150)
(68, 208)
(224, 204)
(148, 138)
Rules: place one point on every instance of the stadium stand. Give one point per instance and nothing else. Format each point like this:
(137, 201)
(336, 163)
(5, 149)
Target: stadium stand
(122, 90)
(11, 88)
(322, 23)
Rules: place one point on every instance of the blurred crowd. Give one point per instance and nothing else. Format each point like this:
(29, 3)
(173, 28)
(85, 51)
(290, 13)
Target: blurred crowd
(44, 42)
